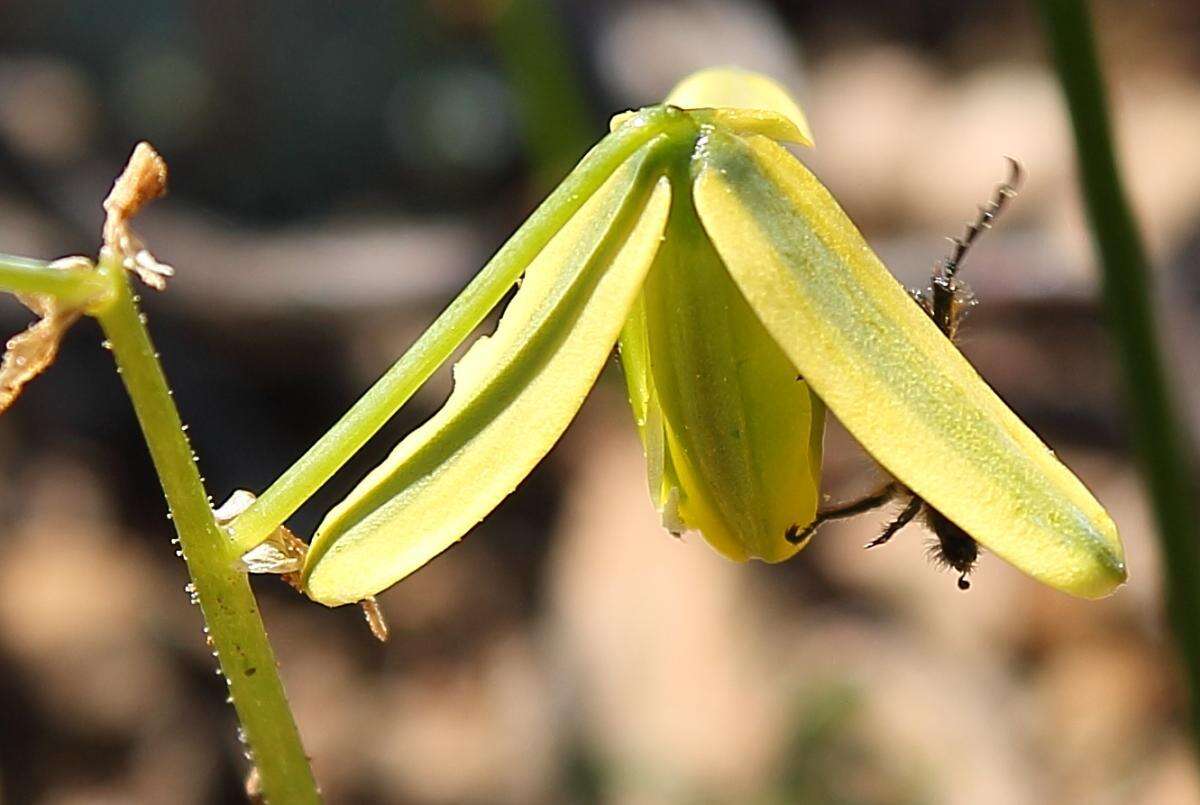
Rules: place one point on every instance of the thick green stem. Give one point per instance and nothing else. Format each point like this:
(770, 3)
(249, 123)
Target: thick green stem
(71, 286)
(1160, 437)
(448, 331)
(234, 626)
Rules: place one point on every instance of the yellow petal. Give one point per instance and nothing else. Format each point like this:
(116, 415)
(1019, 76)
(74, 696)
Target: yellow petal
(515, 393)
(733, 436)
(748, 101)
(661, 477)
(899, 386)
(738, 101)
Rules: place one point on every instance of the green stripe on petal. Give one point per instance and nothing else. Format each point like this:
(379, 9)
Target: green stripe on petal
(899, 386)
(515, 393)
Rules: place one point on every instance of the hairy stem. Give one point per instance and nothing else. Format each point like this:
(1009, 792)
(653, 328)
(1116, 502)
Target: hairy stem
(448, 331)
(1159, 434)
(22, 275)
(235, 628)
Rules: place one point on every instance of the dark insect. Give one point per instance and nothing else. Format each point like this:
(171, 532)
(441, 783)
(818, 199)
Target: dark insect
(946, 299)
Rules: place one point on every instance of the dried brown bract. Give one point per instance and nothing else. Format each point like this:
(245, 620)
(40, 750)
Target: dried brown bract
(143, 180)
(375, 619)
(27, 354)
(282, 553)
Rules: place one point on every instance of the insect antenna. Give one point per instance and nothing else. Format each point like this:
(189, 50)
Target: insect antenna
(987, 214)
(947, 299)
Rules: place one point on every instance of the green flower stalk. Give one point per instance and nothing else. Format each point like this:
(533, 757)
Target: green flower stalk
(725, 270)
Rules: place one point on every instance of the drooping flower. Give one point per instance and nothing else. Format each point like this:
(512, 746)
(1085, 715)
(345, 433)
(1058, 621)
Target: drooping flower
(726, 271)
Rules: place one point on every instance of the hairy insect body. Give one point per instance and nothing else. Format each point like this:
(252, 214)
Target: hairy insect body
(954, 548)
(946, 300)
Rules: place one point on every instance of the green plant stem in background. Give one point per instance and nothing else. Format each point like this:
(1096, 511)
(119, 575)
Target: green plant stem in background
(221, 588)
(555, 119)
(22, 275)
(436, 344)
(1159, 434)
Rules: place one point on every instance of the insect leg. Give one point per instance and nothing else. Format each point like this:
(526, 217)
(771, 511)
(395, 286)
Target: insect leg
(910, 511)
(855, 507)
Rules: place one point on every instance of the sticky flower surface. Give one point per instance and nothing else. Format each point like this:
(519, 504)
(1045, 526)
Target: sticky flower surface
(728, 272)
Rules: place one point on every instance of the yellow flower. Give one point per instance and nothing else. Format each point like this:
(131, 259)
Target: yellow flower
(726, 270)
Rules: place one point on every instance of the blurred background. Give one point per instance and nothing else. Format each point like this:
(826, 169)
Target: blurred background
(339, 170)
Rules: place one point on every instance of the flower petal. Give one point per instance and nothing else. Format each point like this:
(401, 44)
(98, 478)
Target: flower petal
(661, 477)
(735, 100)
(734, 437)
(899, 386)
(747, 100)
(515, 393)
